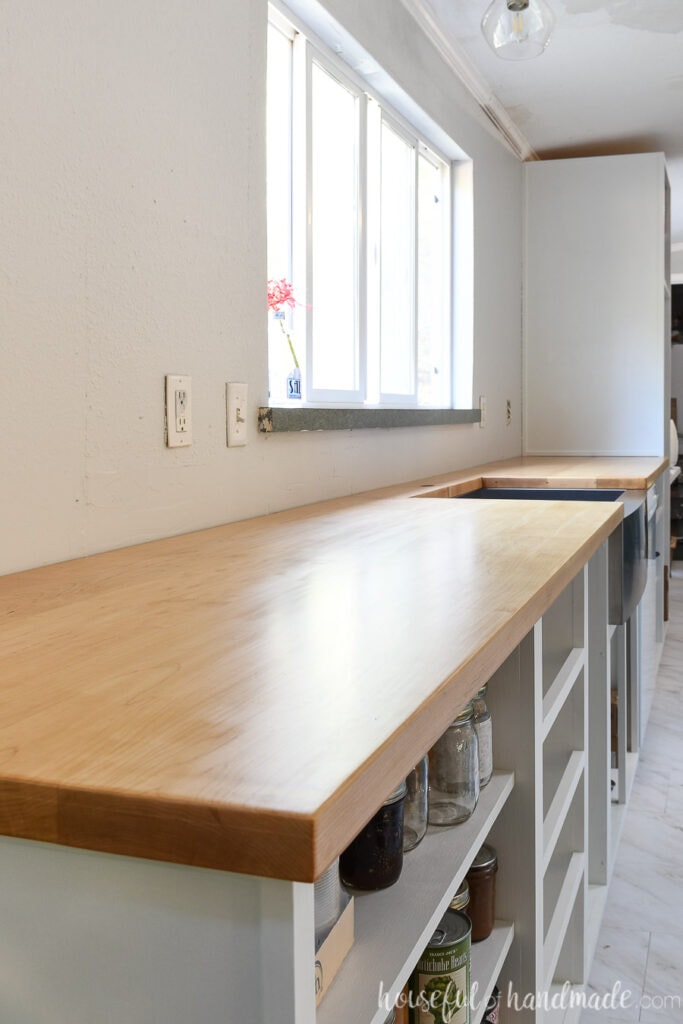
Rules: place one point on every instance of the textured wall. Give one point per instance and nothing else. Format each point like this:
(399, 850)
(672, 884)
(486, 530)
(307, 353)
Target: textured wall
(132, 218)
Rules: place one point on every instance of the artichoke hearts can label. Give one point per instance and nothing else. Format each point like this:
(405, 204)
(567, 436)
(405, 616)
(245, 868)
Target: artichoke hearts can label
(440, 983)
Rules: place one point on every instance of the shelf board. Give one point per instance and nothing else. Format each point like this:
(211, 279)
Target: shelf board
(394, 926)
(563, 912)
(486, 964)
(561, 687)
(557, 812)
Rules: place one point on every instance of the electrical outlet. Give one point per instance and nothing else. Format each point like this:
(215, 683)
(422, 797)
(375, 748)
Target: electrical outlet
(236, 414)
(178, 411)
(482, 411)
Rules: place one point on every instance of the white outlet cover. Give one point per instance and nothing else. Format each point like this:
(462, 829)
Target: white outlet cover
(178, 411)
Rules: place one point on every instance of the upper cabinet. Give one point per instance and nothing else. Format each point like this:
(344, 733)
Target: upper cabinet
(597, 306)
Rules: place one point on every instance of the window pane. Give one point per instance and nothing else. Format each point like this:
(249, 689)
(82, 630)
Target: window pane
(397, 247)
(334, 255)
(279, 154)
(432, 283)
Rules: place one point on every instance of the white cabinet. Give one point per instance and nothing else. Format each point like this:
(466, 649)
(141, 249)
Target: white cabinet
(596, 350)
(547, 813)
(182, 943)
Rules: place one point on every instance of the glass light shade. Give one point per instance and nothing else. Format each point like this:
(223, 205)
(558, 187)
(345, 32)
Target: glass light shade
(517, 29)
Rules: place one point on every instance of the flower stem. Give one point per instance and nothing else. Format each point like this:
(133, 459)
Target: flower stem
(289, 342)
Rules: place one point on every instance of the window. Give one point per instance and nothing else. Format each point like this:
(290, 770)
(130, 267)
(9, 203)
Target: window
(360, 220)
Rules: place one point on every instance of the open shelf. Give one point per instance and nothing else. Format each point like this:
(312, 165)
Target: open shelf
(486, 964)
(560, 919)
(561, 687)
(559, 808)
(392, 927)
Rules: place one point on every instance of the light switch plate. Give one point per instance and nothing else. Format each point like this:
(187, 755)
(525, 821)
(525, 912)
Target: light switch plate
(236, 413)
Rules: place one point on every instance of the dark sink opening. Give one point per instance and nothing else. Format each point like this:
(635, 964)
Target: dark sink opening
(546, 493)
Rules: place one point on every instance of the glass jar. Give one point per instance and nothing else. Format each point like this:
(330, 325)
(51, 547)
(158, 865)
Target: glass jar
(462, 897)
(454, 772)
(482, 724)
(416, 805)
(481, 879)
(327, 901)
(374, 859)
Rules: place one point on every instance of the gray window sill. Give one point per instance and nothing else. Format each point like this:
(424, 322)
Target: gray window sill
(275, 419)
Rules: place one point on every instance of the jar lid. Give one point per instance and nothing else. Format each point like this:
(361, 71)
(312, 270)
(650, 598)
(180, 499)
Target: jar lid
(397, 794)
(465, 713)
(486, 858)
(462, 896)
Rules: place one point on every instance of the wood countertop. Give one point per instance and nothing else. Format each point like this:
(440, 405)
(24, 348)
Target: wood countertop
(244, 697)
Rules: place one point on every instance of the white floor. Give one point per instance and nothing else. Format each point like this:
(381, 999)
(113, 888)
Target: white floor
(638, 963)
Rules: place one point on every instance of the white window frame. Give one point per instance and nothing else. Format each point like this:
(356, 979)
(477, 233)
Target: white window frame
(308, 50)
(305, 56)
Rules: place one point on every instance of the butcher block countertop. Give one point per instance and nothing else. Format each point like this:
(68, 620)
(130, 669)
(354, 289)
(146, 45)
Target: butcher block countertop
(244, 697)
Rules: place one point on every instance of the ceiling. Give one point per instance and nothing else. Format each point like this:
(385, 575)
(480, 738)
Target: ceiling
(610, 80)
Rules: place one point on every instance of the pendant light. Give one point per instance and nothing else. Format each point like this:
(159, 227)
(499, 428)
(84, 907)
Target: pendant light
(517, 29)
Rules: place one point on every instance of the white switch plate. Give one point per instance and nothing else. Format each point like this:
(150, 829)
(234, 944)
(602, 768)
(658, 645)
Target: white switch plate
(178, 411)
(236, 413)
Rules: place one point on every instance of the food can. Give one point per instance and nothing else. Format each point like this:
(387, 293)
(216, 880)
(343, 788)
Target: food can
(440, 983)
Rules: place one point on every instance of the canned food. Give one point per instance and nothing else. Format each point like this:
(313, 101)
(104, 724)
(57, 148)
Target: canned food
(440, 983)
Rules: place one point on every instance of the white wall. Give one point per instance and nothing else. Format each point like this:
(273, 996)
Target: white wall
(132, 218)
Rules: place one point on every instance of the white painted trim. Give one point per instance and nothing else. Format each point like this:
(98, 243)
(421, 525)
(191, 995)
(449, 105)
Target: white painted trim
(470, 77)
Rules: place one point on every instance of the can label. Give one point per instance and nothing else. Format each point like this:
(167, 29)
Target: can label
(440, 984)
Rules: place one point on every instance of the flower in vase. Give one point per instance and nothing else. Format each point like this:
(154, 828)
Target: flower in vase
(281, 293)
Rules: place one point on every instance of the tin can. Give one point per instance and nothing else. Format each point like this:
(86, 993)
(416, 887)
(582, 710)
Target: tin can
(440, 984)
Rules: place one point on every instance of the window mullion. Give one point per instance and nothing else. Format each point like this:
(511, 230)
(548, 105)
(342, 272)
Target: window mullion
(361, 249)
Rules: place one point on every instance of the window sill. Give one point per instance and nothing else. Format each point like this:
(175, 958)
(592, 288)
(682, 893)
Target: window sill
(275, 419)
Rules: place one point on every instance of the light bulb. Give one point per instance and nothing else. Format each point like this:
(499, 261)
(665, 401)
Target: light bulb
(517, 29)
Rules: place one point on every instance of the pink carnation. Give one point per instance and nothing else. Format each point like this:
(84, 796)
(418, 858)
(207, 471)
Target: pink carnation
(280, 293)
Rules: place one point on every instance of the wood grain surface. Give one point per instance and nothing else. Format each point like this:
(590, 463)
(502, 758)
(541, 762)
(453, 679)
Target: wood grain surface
(245, 697)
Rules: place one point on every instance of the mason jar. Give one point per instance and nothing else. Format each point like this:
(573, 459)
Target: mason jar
(416, 805)
(374, 860)
(483, 727)
(454, 772)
